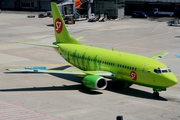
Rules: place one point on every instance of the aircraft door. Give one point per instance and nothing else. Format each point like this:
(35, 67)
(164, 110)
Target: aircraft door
(144, 71)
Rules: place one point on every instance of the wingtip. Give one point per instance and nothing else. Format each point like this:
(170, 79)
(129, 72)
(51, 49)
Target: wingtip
(8, 69)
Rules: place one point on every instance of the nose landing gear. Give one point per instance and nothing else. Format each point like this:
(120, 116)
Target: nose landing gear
(156, 91)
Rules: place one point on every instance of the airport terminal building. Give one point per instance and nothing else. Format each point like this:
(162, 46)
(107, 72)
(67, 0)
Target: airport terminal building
(114, 8)
(45, 4)
(35, 5)
(149, 6)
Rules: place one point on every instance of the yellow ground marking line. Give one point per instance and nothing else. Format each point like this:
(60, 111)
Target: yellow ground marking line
(174, 100)
(119, 24)
(32, 40)
(171, 59)
(12, 44)
(114, 25)
(2, 46)
(5, 17)
(110, 26)
(141, 39)
(8, 16)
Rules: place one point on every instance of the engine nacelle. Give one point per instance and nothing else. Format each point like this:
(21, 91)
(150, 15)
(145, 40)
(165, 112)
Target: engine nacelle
(95, 82)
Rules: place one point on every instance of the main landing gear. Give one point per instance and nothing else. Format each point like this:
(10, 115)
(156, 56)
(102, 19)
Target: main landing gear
(126, 85)
(155, 94)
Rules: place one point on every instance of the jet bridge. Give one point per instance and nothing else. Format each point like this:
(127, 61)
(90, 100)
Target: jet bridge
(69, 11)
(114, 9)
(67, 8)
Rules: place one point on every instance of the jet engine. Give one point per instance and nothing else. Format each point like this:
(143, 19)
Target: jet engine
(95, 82)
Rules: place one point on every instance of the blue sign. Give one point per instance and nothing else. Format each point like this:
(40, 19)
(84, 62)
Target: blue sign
(178, 56)
(35, 68)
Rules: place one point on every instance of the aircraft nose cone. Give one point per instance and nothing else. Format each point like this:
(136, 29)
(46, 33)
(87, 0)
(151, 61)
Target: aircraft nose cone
(172, 80)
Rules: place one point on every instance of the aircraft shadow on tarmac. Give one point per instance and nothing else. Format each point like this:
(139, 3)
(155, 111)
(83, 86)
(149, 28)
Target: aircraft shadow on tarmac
(113, 86)
(177, 36)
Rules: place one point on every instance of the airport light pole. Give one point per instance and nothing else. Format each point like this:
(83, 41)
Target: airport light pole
(89, 8)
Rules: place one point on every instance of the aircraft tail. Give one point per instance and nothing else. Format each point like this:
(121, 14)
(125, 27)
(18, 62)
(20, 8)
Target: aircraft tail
(61, 33)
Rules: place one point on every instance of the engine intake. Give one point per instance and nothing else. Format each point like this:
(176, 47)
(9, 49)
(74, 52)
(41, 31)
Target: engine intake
(95, 82)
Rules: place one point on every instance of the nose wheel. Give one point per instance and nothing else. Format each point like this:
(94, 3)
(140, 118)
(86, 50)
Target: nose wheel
(155, 94)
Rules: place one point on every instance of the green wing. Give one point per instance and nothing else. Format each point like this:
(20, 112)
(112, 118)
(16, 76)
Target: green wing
(74, 72)
(159, 55)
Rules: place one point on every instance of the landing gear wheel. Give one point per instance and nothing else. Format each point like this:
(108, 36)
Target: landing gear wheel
(125, 85)
(155, 94)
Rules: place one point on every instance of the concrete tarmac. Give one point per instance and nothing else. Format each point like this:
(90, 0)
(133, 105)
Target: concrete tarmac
(55, 96)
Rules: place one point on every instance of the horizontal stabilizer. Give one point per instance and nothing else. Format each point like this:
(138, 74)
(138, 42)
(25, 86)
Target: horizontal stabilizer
(79, 38)
(39, 44)
(159, 55)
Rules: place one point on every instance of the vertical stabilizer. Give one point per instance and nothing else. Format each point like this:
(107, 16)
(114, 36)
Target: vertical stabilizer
(61, 33)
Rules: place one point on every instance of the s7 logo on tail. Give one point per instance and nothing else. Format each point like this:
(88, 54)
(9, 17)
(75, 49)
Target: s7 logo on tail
(58, 25)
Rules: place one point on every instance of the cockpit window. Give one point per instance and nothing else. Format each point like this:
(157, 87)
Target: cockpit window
(169, 70)
(157, 71)
(162, 70)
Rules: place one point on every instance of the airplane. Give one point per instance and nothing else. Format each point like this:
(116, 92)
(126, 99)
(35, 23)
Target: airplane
(96, 65)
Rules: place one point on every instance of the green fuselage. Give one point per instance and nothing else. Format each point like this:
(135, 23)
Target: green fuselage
(122, 65)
